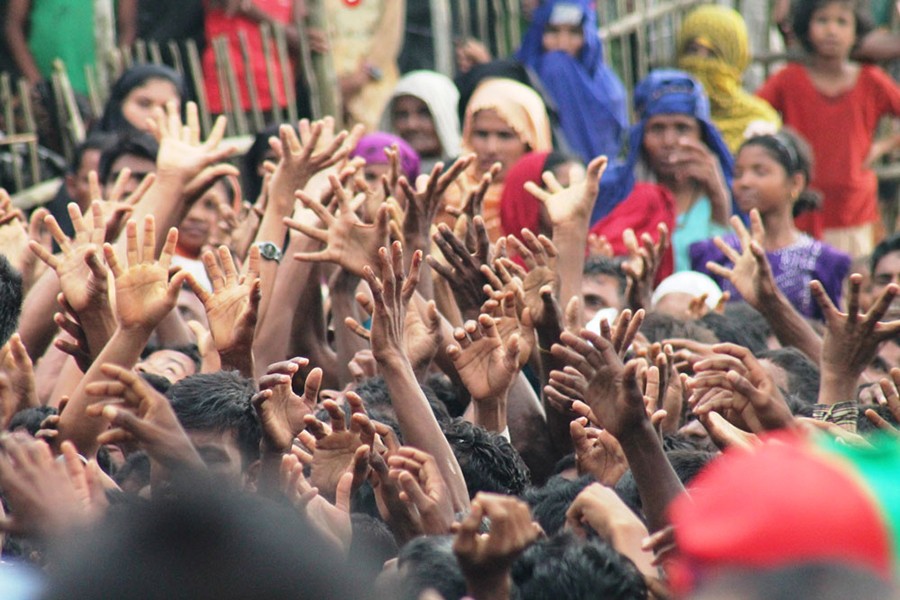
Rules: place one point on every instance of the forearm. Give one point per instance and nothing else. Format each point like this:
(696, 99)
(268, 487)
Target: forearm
(309, 336)
(570, 241)
(627, 539)
(656, 480)
(124, 349)
(173, 331)
(240, 360)
(18, 47)
(790, 327)
(419, 427)
(346, 343)
(36, 324)
(489, 414)
(528, 430)
(66, 382)
(720, 203)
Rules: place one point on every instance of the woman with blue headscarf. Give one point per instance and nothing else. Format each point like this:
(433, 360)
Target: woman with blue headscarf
(680, 157)
(563, 48)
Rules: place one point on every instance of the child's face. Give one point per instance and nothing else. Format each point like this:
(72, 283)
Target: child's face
(832, 30)
(761, 182)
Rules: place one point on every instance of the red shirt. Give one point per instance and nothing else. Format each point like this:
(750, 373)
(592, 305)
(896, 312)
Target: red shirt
(840, 130)
(217, 25)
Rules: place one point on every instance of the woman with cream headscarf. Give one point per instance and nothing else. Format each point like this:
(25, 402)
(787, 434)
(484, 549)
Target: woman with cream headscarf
(713, 47)
(422, 111)
(503, 121)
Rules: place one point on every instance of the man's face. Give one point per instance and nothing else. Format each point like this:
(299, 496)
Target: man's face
(221, 453)
(140, 168)
(77, 183)
(886, 272)
(599, 292)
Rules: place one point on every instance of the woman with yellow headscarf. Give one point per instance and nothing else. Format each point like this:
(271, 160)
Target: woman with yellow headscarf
(713, 47)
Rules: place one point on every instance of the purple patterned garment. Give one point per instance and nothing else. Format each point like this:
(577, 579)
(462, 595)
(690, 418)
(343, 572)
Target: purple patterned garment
(793, 267)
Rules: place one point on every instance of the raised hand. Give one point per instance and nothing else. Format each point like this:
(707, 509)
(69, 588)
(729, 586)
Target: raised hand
(597, 453)
(13, 233)
(139, 414)
(391, 294)
(463, 268)
(751, 273)
(425, 200)
(571, 205)
(232, 307)
(512, 319)
(144, 292)
(642, 265)
(486, 558)
(335, 446)
(611, 389)
(423, 487)
(349, 242)
(19, 371)
(890, 398)
(540, 256)
(281, 411)
(851, 340)
(115, 207)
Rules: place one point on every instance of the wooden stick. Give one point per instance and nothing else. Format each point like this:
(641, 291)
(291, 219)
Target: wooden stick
(465, 19)
(30, 125)
(140, 52)
(237, 105)
(323, 65)
(442, 31)
(513, 17)
(482, 13)
(307, 70)
(250, 81)
(116, 68)
(90, 76)
(287, 80)
(104, 41)
(9, 115)
(265, 32)
(199, 86)
(127, 59)
(175, 53)
(222, 79)
(155, 54)
(75, 123)
(60, 102)
(500, 29)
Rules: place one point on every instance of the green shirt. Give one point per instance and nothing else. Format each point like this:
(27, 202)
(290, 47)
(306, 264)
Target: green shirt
(63, 29)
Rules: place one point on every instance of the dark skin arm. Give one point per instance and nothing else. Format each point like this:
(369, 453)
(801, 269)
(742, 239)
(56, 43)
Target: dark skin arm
(14, 28)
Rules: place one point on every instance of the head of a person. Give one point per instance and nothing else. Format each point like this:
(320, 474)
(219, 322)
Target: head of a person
(422, 111)
(504, 120)
(428, 562)
(602, 285)
(566, 566)
(201, 221)
(85, 159)
(172, 363)
(673, 108)
(885, 267)
(10, 299)
(549, 503)
(793, 372)
(771, 173)
(136, 94)
(808, 581)
(216, 413)
(488, 461)
(713, 33)
(135, 151)
(675, 293)
(252, 170)
(830, 28)
(658, 327)
(564, 28)
(372, 147)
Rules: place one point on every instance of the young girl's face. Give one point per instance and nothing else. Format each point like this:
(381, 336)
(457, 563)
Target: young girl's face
(761, 182)
(139, 103)
(832, 30)
(564, 38)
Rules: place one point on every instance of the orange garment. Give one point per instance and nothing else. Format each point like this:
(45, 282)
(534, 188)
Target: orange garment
(840, 130)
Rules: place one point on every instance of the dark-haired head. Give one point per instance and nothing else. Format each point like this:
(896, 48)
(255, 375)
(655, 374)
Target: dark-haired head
(794, 154)
(136, 145)
(804, 10)
(10, 299)
(136, 93)
(488, 461)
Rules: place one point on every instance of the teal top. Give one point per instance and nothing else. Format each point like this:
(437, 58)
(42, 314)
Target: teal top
(63, 29)
(693, 226)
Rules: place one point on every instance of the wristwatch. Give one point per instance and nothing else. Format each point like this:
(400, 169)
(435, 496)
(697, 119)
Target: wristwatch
(269, 251)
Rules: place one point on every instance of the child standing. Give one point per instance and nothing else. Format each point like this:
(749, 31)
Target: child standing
(836, 104)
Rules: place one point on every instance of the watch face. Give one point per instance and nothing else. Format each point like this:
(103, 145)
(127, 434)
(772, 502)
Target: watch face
(270, 251)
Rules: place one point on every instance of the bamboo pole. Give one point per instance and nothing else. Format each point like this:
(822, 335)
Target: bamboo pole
(307, 70)
(199, 86)
(127, 58)
(90, 76)
(237, 106)
(155, 53)
(465, 19)
(481, 8)
(60, 103)
(442, 34)
(30, 125)
(74, 122)
(326, 74)
(265, 32)
(284, 63)
(514, 18)
(224, 93)
(104, 40)
(140, 52)
(250, 81)
(9, 115)
(175, 53)
(500, 29)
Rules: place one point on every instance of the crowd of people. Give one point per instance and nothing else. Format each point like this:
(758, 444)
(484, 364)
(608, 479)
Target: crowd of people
(491, 340)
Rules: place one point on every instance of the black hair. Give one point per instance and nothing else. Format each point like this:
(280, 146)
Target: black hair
(865, 427)
(374, 393)
(136, 468)
(564, 464)
(429, 563)
(566, 566)
(658, 327)
(30, 419)
(805, 9)
(884, 247)
(10, 299)
(219, 402)
(791, 150)
(113, 121)
(96, 140)
(157, 382)
(729, 329)
(372, 545)
(488, 461)
(550, 502)
(250, 179)
(605, 265)
(447, 393)
(686, 464)
(137, 144)
(802, 373)
(189, 350)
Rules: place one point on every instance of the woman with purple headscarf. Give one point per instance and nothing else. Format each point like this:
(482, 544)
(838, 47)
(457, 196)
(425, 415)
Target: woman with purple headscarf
(371, 147)
(563, 48)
